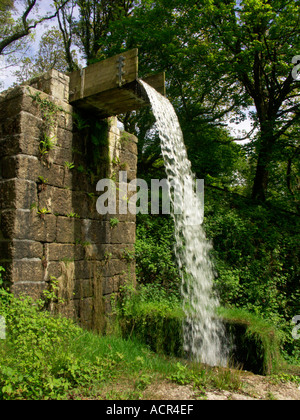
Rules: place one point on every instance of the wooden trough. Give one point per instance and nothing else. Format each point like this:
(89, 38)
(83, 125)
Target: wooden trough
(111, 86)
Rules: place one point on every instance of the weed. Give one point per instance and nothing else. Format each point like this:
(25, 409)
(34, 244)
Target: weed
(182, 376)
(69, 165)
(42, 212)
(42, 180)
(114, 222)
(46, 144)
(73, 215)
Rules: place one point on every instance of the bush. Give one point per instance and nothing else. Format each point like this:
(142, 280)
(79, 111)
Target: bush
(156, 263)
(36, 359)
(256, 258)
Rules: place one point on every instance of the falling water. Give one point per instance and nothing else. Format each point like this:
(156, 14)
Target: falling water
(204, 336)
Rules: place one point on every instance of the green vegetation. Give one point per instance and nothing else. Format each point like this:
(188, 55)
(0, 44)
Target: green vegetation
(224, 61)
(69, 165)
(73, 215)
(47, 144)
(41, 212)
(49, 357)
(114, 222)
(155, 317)
(255, 257)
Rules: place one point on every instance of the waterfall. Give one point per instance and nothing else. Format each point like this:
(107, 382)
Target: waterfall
(204, 333)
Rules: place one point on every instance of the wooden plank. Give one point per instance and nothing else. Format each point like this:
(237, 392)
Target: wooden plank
(129, 97)
(111, 87)
(104, 75)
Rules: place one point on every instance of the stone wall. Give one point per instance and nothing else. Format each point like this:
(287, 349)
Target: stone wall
(51, 158)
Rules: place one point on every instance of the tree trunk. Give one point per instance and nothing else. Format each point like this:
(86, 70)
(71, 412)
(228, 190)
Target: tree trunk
(261, 180)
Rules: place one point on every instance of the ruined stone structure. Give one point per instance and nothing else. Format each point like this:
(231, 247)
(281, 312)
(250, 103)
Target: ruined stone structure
(51, 158)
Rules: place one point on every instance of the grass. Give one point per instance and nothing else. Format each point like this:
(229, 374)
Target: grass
(47, 357)
(255, 343)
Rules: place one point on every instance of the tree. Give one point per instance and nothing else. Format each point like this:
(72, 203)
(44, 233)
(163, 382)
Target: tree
(162, 31)
(51, 55)
(66, 22)
(254, 42)
(222, 57)
(15, 30)
(94, 22)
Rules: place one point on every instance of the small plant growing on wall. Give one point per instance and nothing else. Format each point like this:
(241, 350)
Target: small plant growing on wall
(69, 165)
(49, 112)
(80, 122)
(42, 183)
(46, 144)
(73, 215)
(114, 222)
(42, 212)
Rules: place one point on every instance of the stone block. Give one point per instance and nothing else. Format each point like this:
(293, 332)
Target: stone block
(129, 159)
(5, 250)
(114, 267)
(17, 194)
(27, 270)
(54, 269)
(107, 305)
(129, 142)
(107, 286)
(85, 205)
(85, 269)
(68, 309)
(26, 224)
(20, 166)
(53, 83)
(26, 249)
(83, 289)
(18, 144)
(121, 204)
(22, 123)
(92, 252)
(122, 233)
(34, 290)
(68, 230)
(64, 138)
(69, 252)
(57, 200)
(116, 251)
(94, 231)
(60, 155)
(63, 115)
(87, 310)
(11, 105)
(82, 204)
(54, 175)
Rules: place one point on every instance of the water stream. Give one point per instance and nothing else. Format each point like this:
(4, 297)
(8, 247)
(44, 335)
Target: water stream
(204, 334)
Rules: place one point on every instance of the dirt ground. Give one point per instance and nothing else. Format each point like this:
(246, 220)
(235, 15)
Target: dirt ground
(254, 387)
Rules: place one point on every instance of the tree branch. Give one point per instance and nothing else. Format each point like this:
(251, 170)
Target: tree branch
(25, 30)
